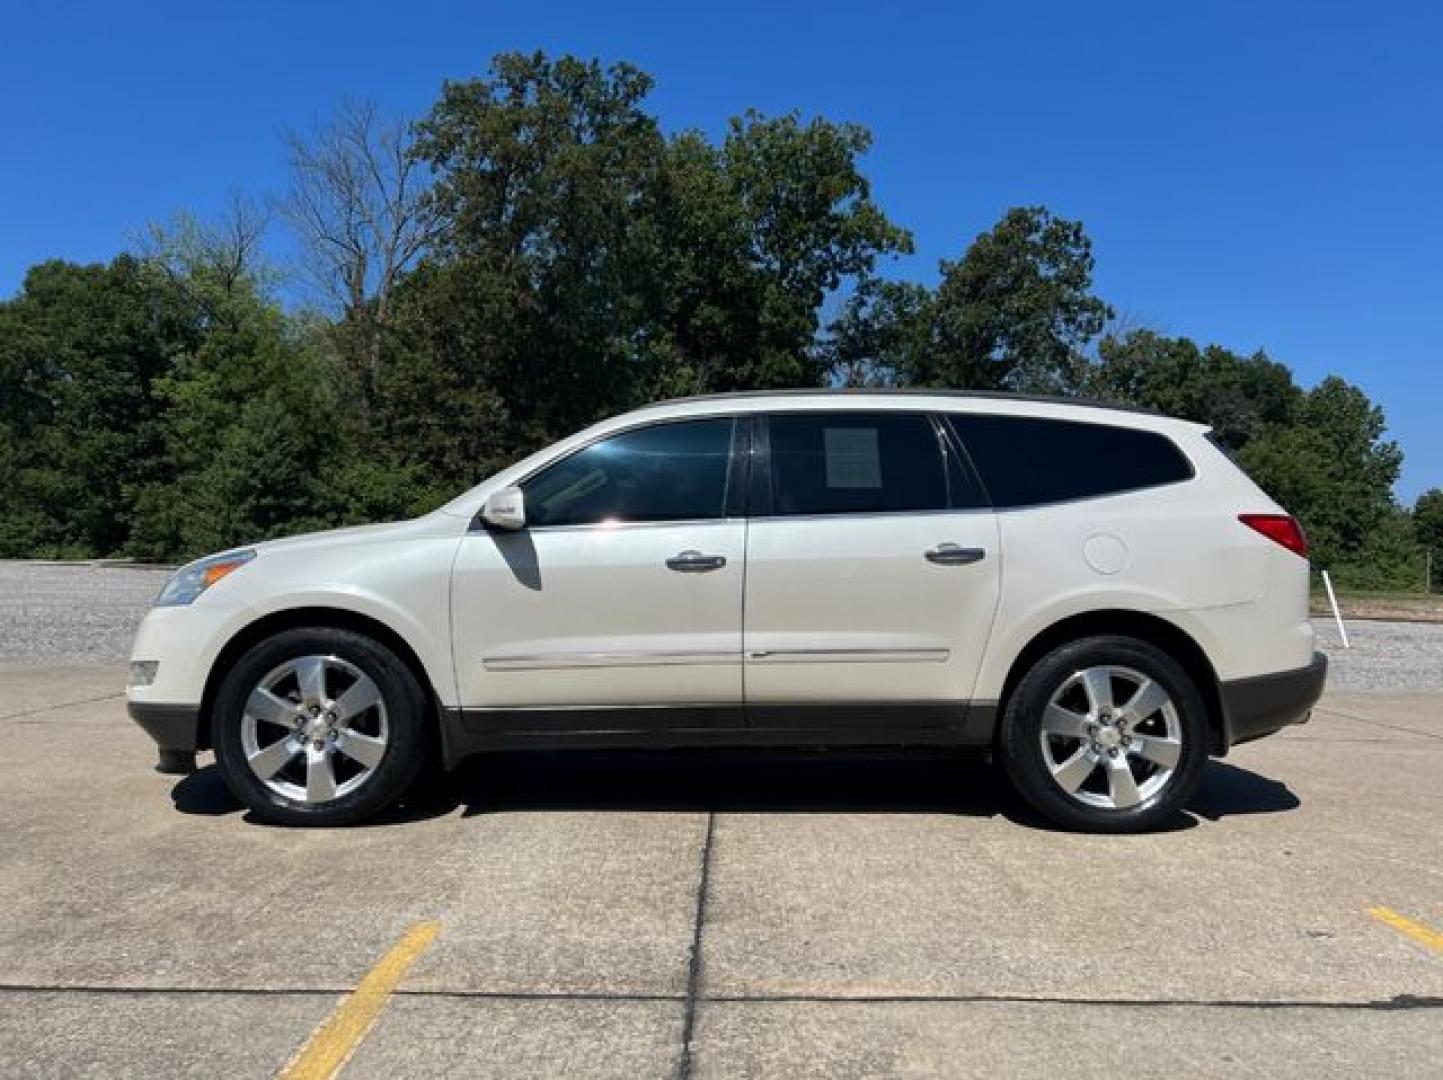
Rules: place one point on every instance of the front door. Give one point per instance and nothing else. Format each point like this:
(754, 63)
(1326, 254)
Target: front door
(873, 572)
(623, 592)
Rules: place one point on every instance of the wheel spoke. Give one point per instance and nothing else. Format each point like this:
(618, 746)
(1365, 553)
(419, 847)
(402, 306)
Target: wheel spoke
(311, 675)
(320, 777)
(1097, 682)
(1059, 721)
(1120, 784)
(363, 694)
(1072, 772)
(266, 763)
(1159, 751)
(264, 705)
(318, 728)
(365, 749)
(1150, 697)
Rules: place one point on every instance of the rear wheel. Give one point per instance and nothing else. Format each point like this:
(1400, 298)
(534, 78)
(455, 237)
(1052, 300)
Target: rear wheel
(1106, 734)
(319, 727)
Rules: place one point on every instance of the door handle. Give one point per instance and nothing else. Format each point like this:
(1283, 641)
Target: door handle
(952, 555)
(694, 562)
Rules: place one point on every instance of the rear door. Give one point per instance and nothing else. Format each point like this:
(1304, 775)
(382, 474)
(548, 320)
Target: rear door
(873, 570)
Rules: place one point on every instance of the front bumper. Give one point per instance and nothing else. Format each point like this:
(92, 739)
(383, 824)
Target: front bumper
(176, 731)
(1263, 704)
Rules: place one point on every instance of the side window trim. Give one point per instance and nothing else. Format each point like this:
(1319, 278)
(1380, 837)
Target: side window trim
(733, 508)
(960, 469)
(759, 489)
(739, 470)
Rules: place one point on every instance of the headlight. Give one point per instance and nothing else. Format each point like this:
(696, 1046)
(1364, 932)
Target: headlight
(190, 581)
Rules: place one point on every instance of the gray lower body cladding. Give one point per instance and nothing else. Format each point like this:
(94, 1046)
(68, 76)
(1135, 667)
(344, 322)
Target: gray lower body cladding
(1263, 704)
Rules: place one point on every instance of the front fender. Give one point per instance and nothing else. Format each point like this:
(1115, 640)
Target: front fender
(430, 642)
(404, 586)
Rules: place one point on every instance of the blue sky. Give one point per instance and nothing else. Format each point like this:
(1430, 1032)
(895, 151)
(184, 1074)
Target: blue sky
(1258, 175)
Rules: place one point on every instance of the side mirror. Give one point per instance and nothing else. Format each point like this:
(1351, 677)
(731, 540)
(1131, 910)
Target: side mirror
(505, 509)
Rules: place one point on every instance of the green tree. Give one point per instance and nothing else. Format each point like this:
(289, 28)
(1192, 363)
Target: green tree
(81, 351)
(252, 435)
(1240, 397)
(884, 329)
(542, 173)
(1428, 526)
(1390, 557)
(810, 224)
(1016, 312)
(588, 264)
(754, 234)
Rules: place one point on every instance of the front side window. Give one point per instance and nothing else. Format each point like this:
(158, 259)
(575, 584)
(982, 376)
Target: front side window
(1028, 460)
(854, 463)
(666, 472)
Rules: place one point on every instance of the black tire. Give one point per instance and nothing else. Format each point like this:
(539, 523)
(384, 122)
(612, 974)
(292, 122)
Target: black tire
(1020, 738)
(407, 735)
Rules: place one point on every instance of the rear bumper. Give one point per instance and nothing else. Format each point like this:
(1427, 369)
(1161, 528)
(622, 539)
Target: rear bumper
(1263, 704)
(175, 729)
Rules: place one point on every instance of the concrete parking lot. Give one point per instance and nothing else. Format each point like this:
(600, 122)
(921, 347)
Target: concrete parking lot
(712, 915)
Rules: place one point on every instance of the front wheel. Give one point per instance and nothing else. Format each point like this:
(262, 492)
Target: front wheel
(1106, 734)
(319, 727)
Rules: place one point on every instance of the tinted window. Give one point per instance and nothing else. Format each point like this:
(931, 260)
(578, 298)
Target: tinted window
(1025, 461)
(669, 472)
(851, 463)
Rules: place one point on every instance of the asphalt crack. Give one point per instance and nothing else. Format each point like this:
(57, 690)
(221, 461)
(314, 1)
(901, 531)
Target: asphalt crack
(1326, 711)
(1397, 1003)
(693, 974)
(62, 705)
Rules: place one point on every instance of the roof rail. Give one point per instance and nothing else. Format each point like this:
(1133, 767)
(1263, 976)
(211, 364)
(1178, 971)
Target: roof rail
(917, 391)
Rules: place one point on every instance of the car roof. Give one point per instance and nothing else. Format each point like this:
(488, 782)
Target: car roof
(905, 399)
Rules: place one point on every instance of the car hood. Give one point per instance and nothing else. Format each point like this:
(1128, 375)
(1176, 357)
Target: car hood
(434, 524)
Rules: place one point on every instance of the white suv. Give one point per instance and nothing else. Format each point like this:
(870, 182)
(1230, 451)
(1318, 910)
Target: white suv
(1099, 597)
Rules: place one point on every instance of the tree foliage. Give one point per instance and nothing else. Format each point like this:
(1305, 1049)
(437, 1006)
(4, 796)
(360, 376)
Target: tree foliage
(1016, 312)
(1428, 528)
(1240, 397)
(82, 349)
(882, 334)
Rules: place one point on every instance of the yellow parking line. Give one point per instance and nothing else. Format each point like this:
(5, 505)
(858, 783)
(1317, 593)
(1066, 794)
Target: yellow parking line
(1404, 925)
(332, 1044)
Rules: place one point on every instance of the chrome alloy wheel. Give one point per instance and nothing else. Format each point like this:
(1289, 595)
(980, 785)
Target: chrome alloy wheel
(314, 729)
(1111, 737)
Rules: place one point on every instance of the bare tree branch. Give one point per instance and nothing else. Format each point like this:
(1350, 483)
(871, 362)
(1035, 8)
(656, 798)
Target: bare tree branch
(212, 259)
(357, 202)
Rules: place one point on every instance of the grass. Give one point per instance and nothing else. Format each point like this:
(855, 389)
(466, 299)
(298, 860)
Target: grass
(1382, 604)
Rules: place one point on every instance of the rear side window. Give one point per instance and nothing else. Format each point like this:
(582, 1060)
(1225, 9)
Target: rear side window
(1026, 461)
(667, 472)
(856, 463)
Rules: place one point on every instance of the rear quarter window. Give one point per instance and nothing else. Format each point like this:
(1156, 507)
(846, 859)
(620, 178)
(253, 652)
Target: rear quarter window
(1031, 461)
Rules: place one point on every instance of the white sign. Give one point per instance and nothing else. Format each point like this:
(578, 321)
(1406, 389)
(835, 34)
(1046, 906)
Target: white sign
(853, 457)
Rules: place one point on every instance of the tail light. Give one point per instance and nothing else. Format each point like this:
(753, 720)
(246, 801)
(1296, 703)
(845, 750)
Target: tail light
(1279, 528)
